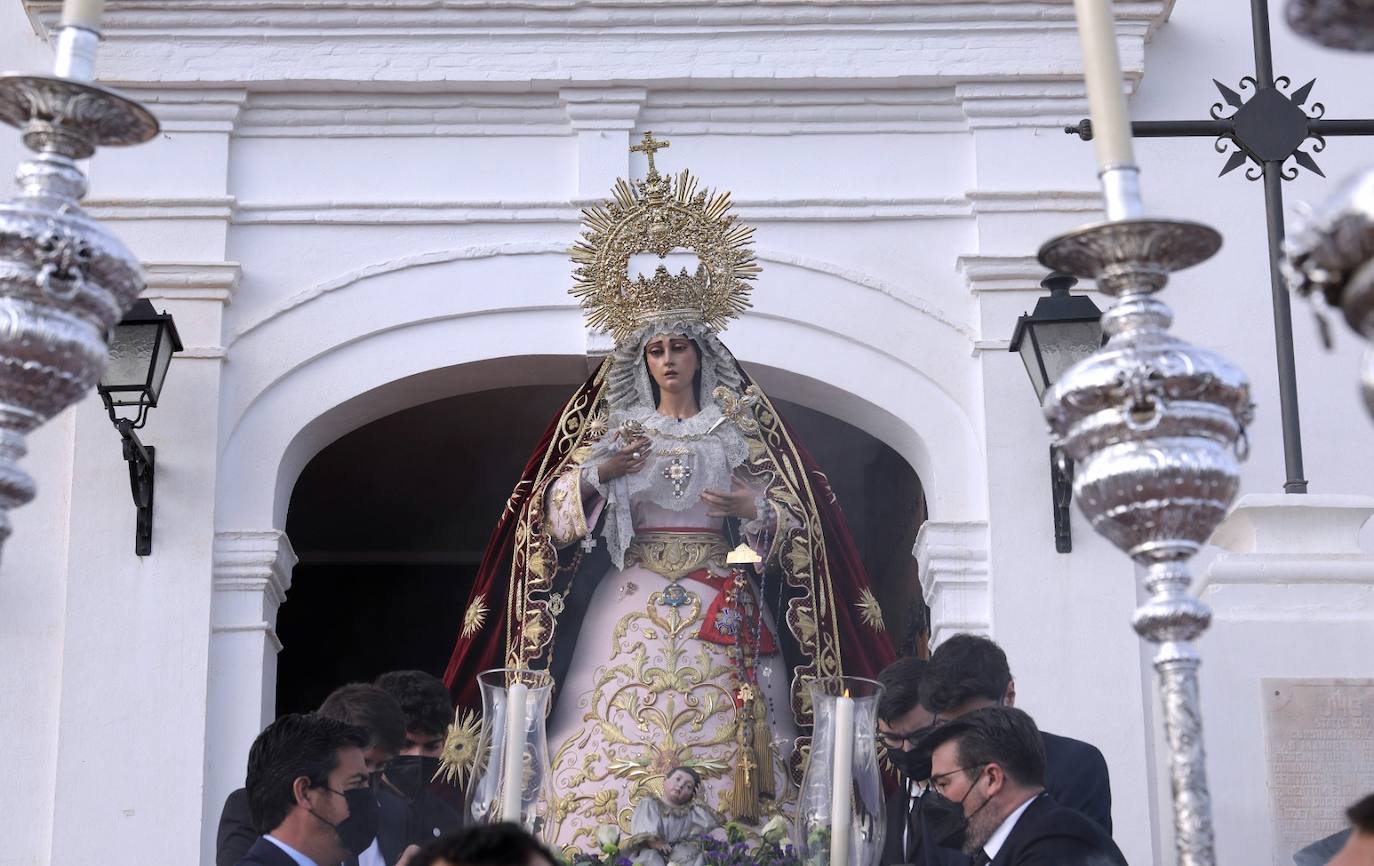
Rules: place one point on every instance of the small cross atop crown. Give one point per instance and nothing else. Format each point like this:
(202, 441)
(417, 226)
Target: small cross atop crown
(650, 146)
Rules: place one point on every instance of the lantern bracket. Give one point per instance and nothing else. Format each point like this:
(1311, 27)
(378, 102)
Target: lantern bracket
(142, 460)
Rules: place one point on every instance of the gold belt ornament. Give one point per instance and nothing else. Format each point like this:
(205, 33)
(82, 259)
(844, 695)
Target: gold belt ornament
(676, 554)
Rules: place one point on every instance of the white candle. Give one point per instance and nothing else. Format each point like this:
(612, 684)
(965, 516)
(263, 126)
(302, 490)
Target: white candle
(1102, 72)
(82, 13)
(513, 763)
(842, 771)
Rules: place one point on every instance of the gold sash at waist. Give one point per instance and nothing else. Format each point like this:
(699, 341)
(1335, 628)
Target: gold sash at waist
(676, 554)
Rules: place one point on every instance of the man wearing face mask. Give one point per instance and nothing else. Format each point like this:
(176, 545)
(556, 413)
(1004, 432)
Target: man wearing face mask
(988, 796)
(309, 793)
(360, 704)
(410, 813)
(969, 672)
(901, 723)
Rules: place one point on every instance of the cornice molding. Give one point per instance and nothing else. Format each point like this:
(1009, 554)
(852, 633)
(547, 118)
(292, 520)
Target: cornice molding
(1001, 273)
(190, 208)
(253, 561)
(544, 43)
(459, 213)
(1084, 201)
(191, 281)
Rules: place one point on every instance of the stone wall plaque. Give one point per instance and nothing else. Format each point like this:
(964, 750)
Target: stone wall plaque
(1319, 739)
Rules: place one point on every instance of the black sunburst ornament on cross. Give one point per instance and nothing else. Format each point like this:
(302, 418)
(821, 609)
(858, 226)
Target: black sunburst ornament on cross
(1271, 126)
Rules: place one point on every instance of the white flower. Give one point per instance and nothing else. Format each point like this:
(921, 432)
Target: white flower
(775, 830)
(608, 834)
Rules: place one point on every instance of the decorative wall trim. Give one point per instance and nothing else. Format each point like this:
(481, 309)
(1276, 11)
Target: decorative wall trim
(251, 573)
(191, 109)
(458, 213)
(191, 281)
(953, 560)
(1084, 201)
(1049, 104)
(1001, 273)
(362, 114)
(602, 108)
(190, 208)
(807, 111)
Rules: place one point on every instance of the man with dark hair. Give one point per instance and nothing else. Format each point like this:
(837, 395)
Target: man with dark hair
(901, 722)
(359, 704)
(988, 796)
(308, 793)
(969, 672)
(486, 845)
(411, 813)
(1359, 845)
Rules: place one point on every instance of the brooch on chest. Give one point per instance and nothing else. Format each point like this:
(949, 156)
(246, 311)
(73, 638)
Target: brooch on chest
(679, 472)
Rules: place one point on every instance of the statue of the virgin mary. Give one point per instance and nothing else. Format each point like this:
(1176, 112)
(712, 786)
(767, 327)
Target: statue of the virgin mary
(671, 554)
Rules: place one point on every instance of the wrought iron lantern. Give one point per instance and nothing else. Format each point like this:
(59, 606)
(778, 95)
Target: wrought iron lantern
(141, 350)
(1063, 330)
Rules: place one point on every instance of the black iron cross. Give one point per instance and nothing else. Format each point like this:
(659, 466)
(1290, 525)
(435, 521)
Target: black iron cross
(1266, 130)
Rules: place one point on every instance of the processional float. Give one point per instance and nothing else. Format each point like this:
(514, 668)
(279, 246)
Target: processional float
(1156, 425)
(65, 280)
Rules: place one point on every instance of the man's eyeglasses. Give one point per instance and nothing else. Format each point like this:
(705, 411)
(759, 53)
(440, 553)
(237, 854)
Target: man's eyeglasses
(939, 780)
(895, 740)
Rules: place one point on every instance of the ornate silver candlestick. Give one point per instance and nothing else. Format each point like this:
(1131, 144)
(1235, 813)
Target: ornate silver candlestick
(64, 279)
(1329, 258)
(1345, 24)
(1157, 427)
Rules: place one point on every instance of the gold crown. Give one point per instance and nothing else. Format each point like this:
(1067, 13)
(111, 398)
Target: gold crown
(658, 215)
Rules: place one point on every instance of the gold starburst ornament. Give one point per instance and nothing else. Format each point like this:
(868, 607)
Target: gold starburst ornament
(474, 617)
(870, 611)
(460, 747)
(659, 215)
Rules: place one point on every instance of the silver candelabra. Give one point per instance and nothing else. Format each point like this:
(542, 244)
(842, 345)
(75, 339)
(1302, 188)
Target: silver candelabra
(1330, 259)
(65, 280)
(1345, 24)
(1157, 429)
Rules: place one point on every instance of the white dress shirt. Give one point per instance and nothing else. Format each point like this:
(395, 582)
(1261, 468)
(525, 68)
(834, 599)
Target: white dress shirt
(301, 859)
(999, 836)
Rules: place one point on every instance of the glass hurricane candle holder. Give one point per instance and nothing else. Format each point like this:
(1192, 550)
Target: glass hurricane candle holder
(515, 704)
(841, 810)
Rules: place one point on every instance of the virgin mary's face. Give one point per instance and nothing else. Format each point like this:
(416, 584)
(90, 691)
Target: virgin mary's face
(672, 361)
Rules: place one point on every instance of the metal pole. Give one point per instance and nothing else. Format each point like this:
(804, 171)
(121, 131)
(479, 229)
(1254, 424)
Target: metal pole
(1283, 332)
(1264, 55)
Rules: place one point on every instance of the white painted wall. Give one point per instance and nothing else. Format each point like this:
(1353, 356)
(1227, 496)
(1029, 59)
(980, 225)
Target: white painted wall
(354, 210)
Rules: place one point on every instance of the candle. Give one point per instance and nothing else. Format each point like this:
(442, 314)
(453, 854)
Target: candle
(842, 771)
(82, 13)
(513, 763)
(1102, 72)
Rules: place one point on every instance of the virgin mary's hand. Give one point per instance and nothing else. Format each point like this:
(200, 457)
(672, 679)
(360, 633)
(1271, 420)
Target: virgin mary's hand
(739, 502)
(626, 461)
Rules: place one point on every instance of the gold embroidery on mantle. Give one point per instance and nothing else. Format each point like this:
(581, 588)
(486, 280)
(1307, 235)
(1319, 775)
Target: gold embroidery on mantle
(663, 699)
(475, 616)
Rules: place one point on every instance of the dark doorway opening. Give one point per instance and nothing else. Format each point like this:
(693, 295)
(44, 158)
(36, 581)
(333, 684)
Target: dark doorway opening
(390, 522)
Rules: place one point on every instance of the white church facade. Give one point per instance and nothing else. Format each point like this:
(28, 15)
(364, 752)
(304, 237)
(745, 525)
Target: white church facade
(359, 207)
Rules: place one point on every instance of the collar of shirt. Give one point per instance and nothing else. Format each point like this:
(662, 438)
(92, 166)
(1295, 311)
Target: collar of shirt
(301, 859)
(999, 836)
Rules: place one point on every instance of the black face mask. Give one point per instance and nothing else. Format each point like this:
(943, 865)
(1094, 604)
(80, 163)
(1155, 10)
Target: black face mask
(409, 774)
(945, 818)
(359, 829)
(915, 764)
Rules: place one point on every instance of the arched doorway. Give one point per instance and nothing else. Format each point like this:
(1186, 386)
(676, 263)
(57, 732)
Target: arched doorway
(390, 520)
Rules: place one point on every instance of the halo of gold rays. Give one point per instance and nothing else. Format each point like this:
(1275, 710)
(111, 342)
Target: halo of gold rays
(659, 215)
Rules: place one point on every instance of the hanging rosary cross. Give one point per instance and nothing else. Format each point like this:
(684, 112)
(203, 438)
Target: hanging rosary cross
(738, 409)
(679, 473)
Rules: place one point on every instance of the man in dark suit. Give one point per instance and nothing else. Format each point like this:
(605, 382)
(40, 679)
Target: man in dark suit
(361, 704)
(968, 672)
(305, 773)
(989, 799)
(486, 845)
(902, 721)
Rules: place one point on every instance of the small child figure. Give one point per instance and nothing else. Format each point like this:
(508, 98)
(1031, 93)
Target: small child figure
(666, 831)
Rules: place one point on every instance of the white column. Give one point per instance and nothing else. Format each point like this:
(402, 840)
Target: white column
(252, 573)
(953, 558)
